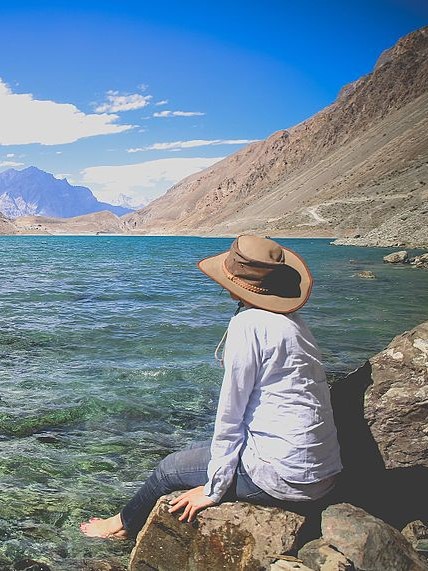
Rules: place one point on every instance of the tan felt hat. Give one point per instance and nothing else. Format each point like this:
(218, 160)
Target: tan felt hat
(261, 273)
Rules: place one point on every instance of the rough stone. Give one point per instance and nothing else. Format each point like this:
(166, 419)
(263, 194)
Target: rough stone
(381, 414)
(320, 556)
(282, 565)
(366, 274)
(370, 543)
(415, 531)
(401, 257)
(396, 404)
(420, 261)
(232, 535)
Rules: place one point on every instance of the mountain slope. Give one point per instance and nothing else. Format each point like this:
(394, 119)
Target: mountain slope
(6, 226)
(96, 223)
(349, 169)
(32, 191)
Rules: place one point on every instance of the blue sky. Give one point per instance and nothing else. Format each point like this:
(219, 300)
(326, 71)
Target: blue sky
(129, 97)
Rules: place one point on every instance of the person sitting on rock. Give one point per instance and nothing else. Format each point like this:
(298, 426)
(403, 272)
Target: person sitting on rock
(275, 441)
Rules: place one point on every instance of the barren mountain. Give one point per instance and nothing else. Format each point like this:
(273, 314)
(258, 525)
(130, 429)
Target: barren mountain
(358, 166)
(6, 225)
(96, 223)
(33, 192)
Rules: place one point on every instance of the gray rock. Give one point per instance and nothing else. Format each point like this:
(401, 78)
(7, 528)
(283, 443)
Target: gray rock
(396, 404)
(370, 543)
(320, 556)
(401, 257)
(232, 535)
(415, 531)
(381, 413)
(420, 261)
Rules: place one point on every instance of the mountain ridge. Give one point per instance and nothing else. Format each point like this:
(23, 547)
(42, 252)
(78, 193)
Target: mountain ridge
(320, 177)
(32, 191)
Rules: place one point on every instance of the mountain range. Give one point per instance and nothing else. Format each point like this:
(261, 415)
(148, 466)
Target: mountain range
(32, 191)
(357, 169)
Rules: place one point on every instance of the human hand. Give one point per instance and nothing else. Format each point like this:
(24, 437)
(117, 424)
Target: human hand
(192, 501)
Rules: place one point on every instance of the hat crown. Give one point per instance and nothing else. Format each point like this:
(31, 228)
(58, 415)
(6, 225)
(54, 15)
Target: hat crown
(260, 249)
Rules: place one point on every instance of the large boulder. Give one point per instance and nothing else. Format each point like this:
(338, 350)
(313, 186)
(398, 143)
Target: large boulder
(232, 535)
(396, 404)
(370, 543)
(401, 257)
(381, 413)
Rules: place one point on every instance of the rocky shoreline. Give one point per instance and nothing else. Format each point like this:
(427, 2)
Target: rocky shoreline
(377, 519)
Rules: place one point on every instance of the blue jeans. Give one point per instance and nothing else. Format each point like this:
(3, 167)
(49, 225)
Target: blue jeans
(187, 469)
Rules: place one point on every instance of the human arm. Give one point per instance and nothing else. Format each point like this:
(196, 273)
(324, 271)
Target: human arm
(241, 365)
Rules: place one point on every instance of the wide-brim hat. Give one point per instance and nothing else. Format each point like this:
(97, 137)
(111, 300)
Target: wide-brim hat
(262, 273)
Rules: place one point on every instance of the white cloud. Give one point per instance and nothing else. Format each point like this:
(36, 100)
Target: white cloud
(177, 113)
(177, 145)
(10, 155)
(10, 164)
(116, 103)
(26, 120)
(141, 182)
(162, 102)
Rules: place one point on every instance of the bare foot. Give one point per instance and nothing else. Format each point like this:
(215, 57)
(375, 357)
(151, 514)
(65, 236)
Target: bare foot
(110, 527)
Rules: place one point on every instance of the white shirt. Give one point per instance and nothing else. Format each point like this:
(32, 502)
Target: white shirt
(274, 410)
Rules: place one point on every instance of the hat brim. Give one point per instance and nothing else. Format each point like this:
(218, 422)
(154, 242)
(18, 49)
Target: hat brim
(213, 268)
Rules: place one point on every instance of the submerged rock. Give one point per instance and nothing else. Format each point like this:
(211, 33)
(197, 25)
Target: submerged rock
(370, 543)
(366, 274)
(401, 257)
(30, 565)
(420, 261)
(232, 535)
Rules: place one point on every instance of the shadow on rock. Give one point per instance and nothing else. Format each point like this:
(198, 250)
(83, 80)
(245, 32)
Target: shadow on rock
(397, 495)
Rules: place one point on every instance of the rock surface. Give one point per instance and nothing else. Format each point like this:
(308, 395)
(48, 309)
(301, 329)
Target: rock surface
(420, 261)
(415, 531)
(228, 536)
(381, 413)
(401, 257)
(396, 404)
(367, 275)
(320, 555)
(368, 542)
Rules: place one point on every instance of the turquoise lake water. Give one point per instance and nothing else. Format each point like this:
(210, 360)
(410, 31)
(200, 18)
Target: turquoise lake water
(106, 365)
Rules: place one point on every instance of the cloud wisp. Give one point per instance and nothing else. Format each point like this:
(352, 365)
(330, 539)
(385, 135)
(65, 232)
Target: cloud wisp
(25, 120)
(10, 164)
(168, 113)
(178, 145)
(142, 182)
(117, 103)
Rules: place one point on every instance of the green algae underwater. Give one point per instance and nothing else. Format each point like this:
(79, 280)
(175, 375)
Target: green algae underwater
(106, 365)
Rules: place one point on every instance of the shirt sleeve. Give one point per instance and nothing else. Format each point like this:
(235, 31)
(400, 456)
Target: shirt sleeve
(241, 364)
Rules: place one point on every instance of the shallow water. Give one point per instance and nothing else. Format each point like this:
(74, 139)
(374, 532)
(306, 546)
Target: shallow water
(106, 365)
